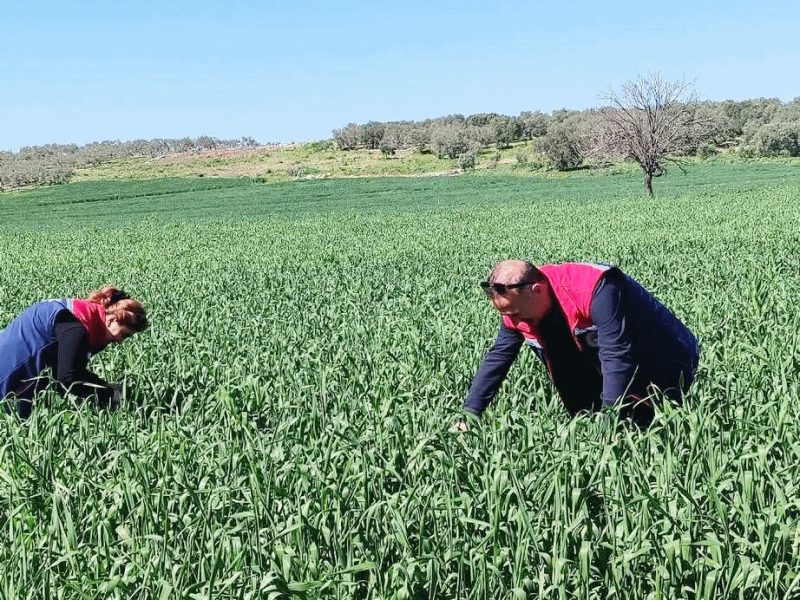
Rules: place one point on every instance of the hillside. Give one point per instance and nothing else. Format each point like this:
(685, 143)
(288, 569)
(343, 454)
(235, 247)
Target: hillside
(306, 161)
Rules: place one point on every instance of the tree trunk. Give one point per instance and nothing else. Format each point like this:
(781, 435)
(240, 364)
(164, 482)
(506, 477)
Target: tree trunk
(648, 183)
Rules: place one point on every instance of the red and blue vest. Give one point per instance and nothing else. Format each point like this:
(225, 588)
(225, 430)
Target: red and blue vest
(573, 285)
(28, 343)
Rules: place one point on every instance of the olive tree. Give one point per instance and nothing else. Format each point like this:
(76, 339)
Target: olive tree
(650, 120)
(449, 139)
(564, 144)
(347, 138)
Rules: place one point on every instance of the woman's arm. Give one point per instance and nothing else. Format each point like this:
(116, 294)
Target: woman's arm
(72, 359)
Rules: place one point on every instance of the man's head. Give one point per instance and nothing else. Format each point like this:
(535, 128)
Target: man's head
(518, 290)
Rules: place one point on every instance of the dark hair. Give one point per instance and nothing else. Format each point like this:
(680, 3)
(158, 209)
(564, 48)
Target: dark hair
(129, 312)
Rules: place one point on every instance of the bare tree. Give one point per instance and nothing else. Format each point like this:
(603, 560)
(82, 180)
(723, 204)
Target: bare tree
(651, 121)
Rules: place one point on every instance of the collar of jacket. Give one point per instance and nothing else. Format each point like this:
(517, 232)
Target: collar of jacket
(93, 318)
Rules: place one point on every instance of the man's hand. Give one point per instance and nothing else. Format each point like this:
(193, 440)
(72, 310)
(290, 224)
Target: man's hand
(460, 425)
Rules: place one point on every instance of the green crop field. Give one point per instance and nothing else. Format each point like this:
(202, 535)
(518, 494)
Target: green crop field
(287, 431)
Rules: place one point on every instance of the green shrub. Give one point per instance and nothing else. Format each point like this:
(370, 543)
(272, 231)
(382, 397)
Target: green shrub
(467, 160)
(706, 149)
(388, 148)
(296, 171)
(320, 145)
(778, 139)
(562, 146)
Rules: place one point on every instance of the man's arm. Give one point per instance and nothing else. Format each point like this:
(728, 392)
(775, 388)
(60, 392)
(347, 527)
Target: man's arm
(72, 359)
(493, 369)
(617, 363)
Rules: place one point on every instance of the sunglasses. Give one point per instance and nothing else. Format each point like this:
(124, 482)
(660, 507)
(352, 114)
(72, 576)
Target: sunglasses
(502, 288)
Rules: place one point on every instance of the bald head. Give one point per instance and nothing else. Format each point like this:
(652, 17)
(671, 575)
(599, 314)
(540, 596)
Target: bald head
(515, 271)
(523, 294)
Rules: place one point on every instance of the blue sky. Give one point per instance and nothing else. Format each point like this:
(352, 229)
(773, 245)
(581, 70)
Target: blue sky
(284, 71)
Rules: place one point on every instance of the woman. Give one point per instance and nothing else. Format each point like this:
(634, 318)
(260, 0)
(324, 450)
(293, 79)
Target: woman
(62, 335)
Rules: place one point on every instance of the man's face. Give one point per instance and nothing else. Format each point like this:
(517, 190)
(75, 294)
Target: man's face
(529, 303)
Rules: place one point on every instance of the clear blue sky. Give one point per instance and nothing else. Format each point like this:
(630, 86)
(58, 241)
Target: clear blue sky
(293, 70)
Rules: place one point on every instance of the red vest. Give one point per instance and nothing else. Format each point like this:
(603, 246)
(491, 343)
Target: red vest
(93, 318)
(573, 285)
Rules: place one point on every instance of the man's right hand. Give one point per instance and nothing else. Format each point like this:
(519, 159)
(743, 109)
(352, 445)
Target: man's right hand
(460, 425)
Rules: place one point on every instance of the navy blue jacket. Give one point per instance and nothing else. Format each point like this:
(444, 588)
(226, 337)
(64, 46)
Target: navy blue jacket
(634, 341)
(47, 335)
(27, 345)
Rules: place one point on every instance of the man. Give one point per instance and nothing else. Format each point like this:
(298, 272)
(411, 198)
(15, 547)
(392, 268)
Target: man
(599, 333)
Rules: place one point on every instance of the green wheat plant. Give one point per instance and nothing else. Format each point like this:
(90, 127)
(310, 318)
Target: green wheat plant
(287, 424)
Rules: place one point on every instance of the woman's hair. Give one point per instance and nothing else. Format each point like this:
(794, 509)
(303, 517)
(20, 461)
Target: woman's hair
(129, 312)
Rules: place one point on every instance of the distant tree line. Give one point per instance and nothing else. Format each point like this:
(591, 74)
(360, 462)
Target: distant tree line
(55, 163)
(566, 138)
(562, 140)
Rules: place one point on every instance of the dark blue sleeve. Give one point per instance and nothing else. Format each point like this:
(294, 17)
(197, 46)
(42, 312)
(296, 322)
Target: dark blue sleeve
(493, 369)
(72, 359)
(615, 350)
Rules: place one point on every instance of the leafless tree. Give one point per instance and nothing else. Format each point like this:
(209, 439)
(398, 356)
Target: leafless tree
(651, 121)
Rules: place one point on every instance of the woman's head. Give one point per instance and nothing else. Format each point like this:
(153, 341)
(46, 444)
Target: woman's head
(124, 315)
